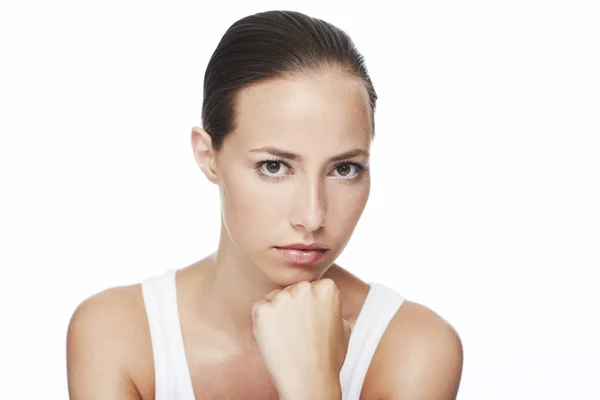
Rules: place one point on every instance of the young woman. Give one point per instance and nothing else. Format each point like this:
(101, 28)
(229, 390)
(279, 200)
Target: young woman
(288, 119)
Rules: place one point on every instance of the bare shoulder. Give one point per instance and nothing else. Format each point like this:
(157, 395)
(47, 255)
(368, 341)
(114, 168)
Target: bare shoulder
(108, 343)
(420, 356)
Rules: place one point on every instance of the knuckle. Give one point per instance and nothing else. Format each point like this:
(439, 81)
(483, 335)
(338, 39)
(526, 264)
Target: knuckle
(326, 283)
(259, 308)
(326, 287)
(281, 296)
(302, 287)
(271, 295)
(303, 284)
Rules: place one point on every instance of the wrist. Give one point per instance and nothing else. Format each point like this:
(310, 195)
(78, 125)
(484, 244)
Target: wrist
(330, 390)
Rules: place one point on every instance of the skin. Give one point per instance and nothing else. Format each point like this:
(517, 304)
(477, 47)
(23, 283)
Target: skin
(303, 339)
(317, 116)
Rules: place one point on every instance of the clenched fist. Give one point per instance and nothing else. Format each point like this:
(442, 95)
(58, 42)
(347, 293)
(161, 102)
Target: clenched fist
(303, 339)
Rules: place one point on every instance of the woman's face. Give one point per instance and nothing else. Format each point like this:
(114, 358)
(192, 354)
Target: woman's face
(295, 170)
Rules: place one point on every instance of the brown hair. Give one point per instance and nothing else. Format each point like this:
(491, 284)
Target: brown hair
(268, 45)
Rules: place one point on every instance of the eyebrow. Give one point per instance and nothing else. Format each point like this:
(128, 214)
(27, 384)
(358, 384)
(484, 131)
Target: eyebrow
(296, 157)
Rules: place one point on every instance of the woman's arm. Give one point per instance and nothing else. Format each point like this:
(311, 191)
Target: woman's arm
(97, 347)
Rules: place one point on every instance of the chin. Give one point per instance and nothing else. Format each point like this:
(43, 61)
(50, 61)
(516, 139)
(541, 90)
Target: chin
(283, 273)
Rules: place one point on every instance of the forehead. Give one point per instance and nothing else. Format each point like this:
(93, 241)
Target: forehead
(328, 108)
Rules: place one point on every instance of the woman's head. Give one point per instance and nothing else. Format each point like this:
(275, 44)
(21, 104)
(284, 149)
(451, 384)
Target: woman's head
(270, 45)
(288, 118)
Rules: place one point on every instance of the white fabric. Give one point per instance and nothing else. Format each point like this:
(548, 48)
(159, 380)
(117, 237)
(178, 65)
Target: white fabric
(379, 308)
(172, 376)
(171, 373)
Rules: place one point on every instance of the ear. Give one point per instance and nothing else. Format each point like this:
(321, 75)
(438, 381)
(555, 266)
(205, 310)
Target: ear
(205, 155)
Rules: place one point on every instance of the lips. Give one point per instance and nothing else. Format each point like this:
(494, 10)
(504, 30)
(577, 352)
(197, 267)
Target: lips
(302, 253)
(303, 257)
(305, 247)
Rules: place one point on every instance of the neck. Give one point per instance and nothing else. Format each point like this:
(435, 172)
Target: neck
(232, 287)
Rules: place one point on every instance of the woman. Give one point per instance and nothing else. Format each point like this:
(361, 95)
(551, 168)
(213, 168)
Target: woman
(288, 119)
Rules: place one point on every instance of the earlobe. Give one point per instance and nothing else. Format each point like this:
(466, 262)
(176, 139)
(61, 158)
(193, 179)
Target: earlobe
(204, 153)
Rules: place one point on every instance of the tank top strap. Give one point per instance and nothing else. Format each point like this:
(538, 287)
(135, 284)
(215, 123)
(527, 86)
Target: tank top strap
(171, 372)
(377, 311)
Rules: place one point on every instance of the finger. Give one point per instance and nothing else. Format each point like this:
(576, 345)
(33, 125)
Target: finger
(325, 286)
(271, 295)
(255, 308)
(300, 287)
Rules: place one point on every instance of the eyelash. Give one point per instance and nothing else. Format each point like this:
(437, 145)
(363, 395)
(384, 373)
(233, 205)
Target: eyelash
(359, 167)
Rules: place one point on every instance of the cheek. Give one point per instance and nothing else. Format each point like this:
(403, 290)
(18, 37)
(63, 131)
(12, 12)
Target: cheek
(250, 207)
(347, 206)
(344, 212)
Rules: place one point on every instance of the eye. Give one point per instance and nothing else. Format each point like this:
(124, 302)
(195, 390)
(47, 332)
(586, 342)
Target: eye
(348, 170)
(272, 168)
(343, 169)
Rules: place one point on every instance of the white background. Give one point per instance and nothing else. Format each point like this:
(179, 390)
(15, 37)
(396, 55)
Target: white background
(485, 204)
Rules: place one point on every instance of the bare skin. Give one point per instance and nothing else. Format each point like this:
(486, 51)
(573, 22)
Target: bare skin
(307, 197)
(406, 362)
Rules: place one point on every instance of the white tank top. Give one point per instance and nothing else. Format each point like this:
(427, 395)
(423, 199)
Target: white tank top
(172, 376)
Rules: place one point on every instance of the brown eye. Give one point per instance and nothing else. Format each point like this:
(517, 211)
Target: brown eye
(343, 169)
(273, 166)
(348, 171)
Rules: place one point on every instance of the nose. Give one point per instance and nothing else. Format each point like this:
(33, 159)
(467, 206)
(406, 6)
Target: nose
(308, 211)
